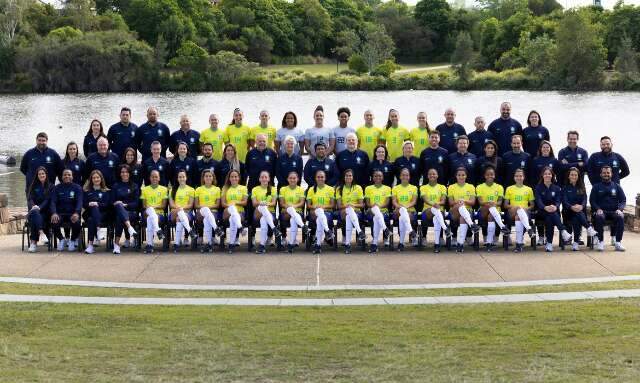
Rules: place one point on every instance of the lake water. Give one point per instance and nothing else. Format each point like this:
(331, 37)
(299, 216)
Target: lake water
(592, 114)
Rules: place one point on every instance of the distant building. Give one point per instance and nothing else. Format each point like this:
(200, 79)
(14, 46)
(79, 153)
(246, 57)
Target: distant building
(597, 3)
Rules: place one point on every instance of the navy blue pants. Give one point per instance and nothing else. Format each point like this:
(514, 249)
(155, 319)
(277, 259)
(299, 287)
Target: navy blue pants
(578, 220)
(617, 224)
(123, 215)
(36, 223)
(94, 217)
(551, 220)
(66, 219)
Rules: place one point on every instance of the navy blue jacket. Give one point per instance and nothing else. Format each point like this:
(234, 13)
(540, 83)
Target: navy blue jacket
(573, 157)
(40, 195)
(189, 165)
(162, 166)
(223, 168)
(90, 145)
(607, 196)
(191, 138)
(387, 169)
(122, 137)
(103, 198)
(108, 166)
(532, 137)
(203, 164)
(413, 164)
(437, 159)
(571, 196)
(619, 167)
(537, 164)
(497, 164)
(146, 134)
(358, 161)
(449, 135)
(129, 195)
(66, 199)
(502, 131)
(258, 161)
(468, 161)
(512, 162)
(546, 196)
(137, 174)
(287, 164)
(329, 167)
(35, 158)
(477, 139)
(77, 167)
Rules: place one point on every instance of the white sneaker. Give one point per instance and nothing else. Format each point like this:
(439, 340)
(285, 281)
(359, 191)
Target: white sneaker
(575, 246)
(126, 244)
(243, 232)
(541, 241)
(116, 249)
(619, 246)
(89, 249)
(565, 236)
(102, 234)
(73, 245)
(591, 231)
(132, 231)
(548, 247)
(613, 241)
(600, 246)
(32, 248)
(62, 244)
(44, 239)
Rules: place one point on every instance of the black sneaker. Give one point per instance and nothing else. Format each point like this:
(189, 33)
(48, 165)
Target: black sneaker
(219, 232)
(230, 248)
(160, 234)
(519, 247)
(316, 249)
(505, 231)
(260, 249)
(436, 248)
(203, 249)
(400, 248)
(475, 228)
(277, 233)
(447, 232)
(489, 247)
(328, 237)
(148, 249)
(373, 249)
(290, 249)
(347, 249)
(385, 235)
(459, 248)
(175, 248)
(362, 236)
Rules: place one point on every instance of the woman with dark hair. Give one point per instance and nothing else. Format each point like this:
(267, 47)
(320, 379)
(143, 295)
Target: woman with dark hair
(238, 134)
(72, 162)
(490, 158)
(154, 198)
(574, 206)
(183, 162)
(319, 134)
(207, 204)
(38, 199)
(548, 199)
(125, 194)
(264, 198)
(490, 196)
(394, 135)
(234, 200)
(130, 158)
(350, 202)
(289, 127)
(434, 197)
(462, 199)
(90, 144)
(321, 202)
(291, 203)
(544, 159)
(381, 163)
(519, 201)
(230, 161)
(97, 203)
(534, 133)
(404, 197)
(181, 202)
(377, 197)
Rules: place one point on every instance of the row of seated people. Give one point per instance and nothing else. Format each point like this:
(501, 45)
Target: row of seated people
(155, 207)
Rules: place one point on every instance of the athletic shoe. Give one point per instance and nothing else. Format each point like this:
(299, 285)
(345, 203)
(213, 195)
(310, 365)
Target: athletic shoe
(126, 244)
(505, 231)
(230, 248)
(575, 246)
(277, 233)
(89, 249)
(619, 247)
(436, 248)
(489, 247)
(566, 236)
(548, 247)
(413, 238)
(160, 234)
(385, 237)
(32, 248)
(591, 231)
(613, 241)
(207, 248)
(176, 247)
(362, 236)
(519, 248)
(43, 238)
(132, 231)
(447, 231)
(317, 249)
(600, 246)
(347, 249)
(475, 228)
(116, 249)
(73, 245)
(261, 249)
(373, 249)
(400, 248)
(459, 248)
(62, 244)
(148, 249)
(102, 234)
(290, 248)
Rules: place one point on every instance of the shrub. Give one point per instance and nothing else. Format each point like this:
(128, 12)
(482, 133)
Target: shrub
(357, 64)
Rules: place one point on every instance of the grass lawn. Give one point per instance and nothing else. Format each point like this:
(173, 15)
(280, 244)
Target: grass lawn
(331, 68)
(33, 289)
(593, 341)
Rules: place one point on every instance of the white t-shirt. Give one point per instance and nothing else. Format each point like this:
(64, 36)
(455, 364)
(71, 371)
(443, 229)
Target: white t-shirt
(316, 136)
(297, 133)
(341, 137)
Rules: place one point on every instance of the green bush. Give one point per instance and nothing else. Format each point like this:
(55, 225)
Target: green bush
(357, 64)
(385, 69)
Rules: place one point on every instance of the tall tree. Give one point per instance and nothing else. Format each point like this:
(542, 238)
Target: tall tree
(435, 16)
(462, 56)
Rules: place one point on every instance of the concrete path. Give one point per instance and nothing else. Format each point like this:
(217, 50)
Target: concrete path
(422, 69)
(330, 269)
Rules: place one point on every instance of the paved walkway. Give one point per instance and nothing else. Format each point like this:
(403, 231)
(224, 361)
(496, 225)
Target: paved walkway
(330, 269)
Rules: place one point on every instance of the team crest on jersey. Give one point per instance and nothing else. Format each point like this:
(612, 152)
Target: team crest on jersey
(326, 167)
(358, 159)
(413, 166)
(551, 165)
(192, 140)
(48, 159)
(386, 169)
(159, 132)
(110, 163)
(293, 163)
(540, 135)
(160, 167)
(439, 159)
(614, 163)
(522, 163)
(133, 134)
(469, 161)
(266, 158)
(100, 195)
(553, 194)
(613, 192)
(77, 167)
(579, 156)
(187, 167)
(455, 135)
(513, 129)
(72, 194)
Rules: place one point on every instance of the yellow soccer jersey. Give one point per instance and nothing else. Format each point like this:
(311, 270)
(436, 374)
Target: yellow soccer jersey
(238, 136)
(420, 138)
(292, 196)
(216, 139)
(490, 193)
(154, 196)
(377, 195)
(368, 139)
(404, 194)
(465, 193)
(260, 194)
(235, 194)
(432, 194)
(182, 196)
(394, 138)
(269, 131)
(519, 196)
(321, 197)
(351, 195)
(207, 196)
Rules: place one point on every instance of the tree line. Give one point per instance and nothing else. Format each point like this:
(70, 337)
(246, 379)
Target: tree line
(135, 45)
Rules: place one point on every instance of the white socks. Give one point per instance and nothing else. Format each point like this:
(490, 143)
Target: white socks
(496, 217)
(295, 215)
(294, 222)
(462, 233)
(266, 214)
(519, 232)
(184, 220)
(524, 218)
(153, 224)
(179, 233)
(491, 232)
(377, 216)
(351, 222)
(464, 213)
(235, 223)
(404, 224)
(209, 224)
(321, 225)
(437, 228)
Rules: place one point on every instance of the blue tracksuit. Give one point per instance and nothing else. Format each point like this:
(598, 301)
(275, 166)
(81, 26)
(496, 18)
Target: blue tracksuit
(546, 196)
(66, 200)
(413, 164)
(387, 169)
(189, 165)
(449, 135)
(498, 165)
(137, 174)
(573, 157)
(532, 137)
(502, 131)
(512, 162)
(570, 197)
(477, 139)
(223, 168)
(326, 164)
(437, 159)
(108, 166)
(147, 133)
(258, 161)
(95, 216)
(122, 137)
(162, 166)
(41, 196)
(34, 158)
(201, 165)
(609, 197)
(358, 161)
(468, 161)
(77, 167)
(90, 145)
(287, 164)
(618, 164)
(537, 164)
(190, 137)
(130, 197)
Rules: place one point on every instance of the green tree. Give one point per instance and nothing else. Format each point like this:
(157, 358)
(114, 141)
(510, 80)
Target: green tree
(259, 44)
(376, 46)
(627, 61)
(543, 7)
(385, 69)
(503, 9)
(11, 12)
(356, 63)
(540, 56)
(65, 33)
(313, 27)
(489, 31)
(624, 20)
(411, 40)
(462, 57)
(435, 16)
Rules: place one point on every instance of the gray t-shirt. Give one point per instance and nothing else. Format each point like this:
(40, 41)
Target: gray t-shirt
(316, 136)
(296, 132)
(341, 137)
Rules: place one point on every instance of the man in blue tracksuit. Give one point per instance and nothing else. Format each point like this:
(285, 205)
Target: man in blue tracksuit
(572, 156)
(105, 161)
(514, 160)
(503, 128)
(150, 131)
(288, 161)
(607, 157)
(121, 135)
(607, 201)
(41, 155)
(321, 162)
(206, 162)
(66, 207)
(156, 162)
(450, 130)
(479, 137)
(188, 136)
(259, 159)
(435, 157)
(463, 159)
(354, 159)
